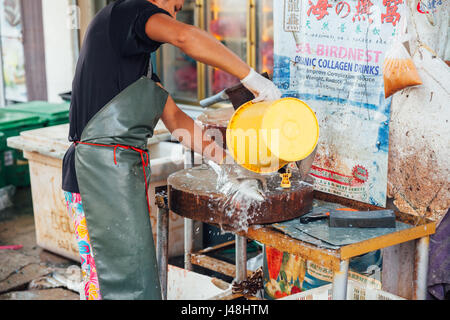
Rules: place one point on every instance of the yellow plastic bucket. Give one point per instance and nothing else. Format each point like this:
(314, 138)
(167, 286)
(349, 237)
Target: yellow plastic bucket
(264, 137)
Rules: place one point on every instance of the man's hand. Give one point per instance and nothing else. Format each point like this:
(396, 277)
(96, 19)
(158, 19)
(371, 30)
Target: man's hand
(190, 134)
(262, 88)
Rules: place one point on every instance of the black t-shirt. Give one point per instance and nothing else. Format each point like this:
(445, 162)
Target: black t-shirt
(116, 52)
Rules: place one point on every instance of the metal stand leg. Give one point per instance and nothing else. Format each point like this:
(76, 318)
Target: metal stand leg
(241, 259)
(188, 243)
(162, 247)
(188, 223)
(420, 281)
(340, 281)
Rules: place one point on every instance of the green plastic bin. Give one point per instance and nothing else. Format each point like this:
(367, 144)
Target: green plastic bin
(2, 141)
(52, 114)
(2, 160)
(11, 125)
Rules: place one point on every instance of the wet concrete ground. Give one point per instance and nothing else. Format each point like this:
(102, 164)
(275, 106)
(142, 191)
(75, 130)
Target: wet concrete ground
(22, 271)
(26, 273)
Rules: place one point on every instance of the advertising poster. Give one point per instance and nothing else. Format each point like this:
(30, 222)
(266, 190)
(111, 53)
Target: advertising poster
(330, 54)
(286, 274)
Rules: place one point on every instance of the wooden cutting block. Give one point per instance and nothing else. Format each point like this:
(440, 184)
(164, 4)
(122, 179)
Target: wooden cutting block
(193, 194)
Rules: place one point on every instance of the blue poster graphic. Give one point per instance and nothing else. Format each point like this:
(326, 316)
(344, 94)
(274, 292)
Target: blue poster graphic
(330, 54)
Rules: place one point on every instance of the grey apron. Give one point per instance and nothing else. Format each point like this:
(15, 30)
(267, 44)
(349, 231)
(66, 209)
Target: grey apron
(110, 160)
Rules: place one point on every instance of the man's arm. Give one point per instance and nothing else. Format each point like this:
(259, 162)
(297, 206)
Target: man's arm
(190, 134)
(204, 48)
(196, 43)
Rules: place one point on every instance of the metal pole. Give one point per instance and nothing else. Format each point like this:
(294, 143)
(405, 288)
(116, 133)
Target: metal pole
(340, 281)
(421, 272)
(188, 243)
(241, 258)
(188, 223)
(162, 248)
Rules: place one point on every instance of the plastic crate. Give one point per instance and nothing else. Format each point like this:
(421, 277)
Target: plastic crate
(51, 114)
(355, 291)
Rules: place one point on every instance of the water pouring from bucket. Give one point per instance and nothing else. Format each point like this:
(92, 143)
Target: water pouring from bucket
(262, 138)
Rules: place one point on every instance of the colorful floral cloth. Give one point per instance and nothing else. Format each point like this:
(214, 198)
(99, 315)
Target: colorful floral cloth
(89, 271)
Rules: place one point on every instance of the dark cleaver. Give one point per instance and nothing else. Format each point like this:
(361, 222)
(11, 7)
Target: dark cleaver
(354, 219)
(237, 95)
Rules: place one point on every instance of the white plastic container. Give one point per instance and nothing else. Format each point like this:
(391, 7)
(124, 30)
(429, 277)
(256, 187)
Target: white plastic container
(355, 291)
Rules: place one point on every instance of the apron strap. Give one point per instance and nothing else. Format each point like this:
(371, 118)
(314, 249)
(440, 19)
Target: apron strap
(150, 67)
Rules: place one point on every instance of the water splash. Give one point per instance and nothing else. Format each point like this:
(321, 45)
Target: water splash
(242, 191)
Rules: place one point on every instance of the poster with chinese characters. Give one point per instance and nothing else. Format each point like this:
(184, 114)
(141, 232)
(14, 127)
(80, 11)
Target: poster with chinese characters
(330, 54)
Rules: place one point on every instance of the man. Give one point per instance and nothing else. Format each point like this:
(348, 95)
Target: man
(113, 112)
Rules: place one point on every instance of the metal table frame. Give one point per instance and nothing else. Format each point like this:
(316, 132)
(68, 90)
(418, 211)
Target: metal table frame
(241, 241)
(336, 260)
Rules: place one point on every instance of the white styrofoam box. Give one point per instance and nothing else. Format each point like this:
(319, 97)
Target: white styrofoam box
(355, 291)
(167, 158)
(186, 285)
